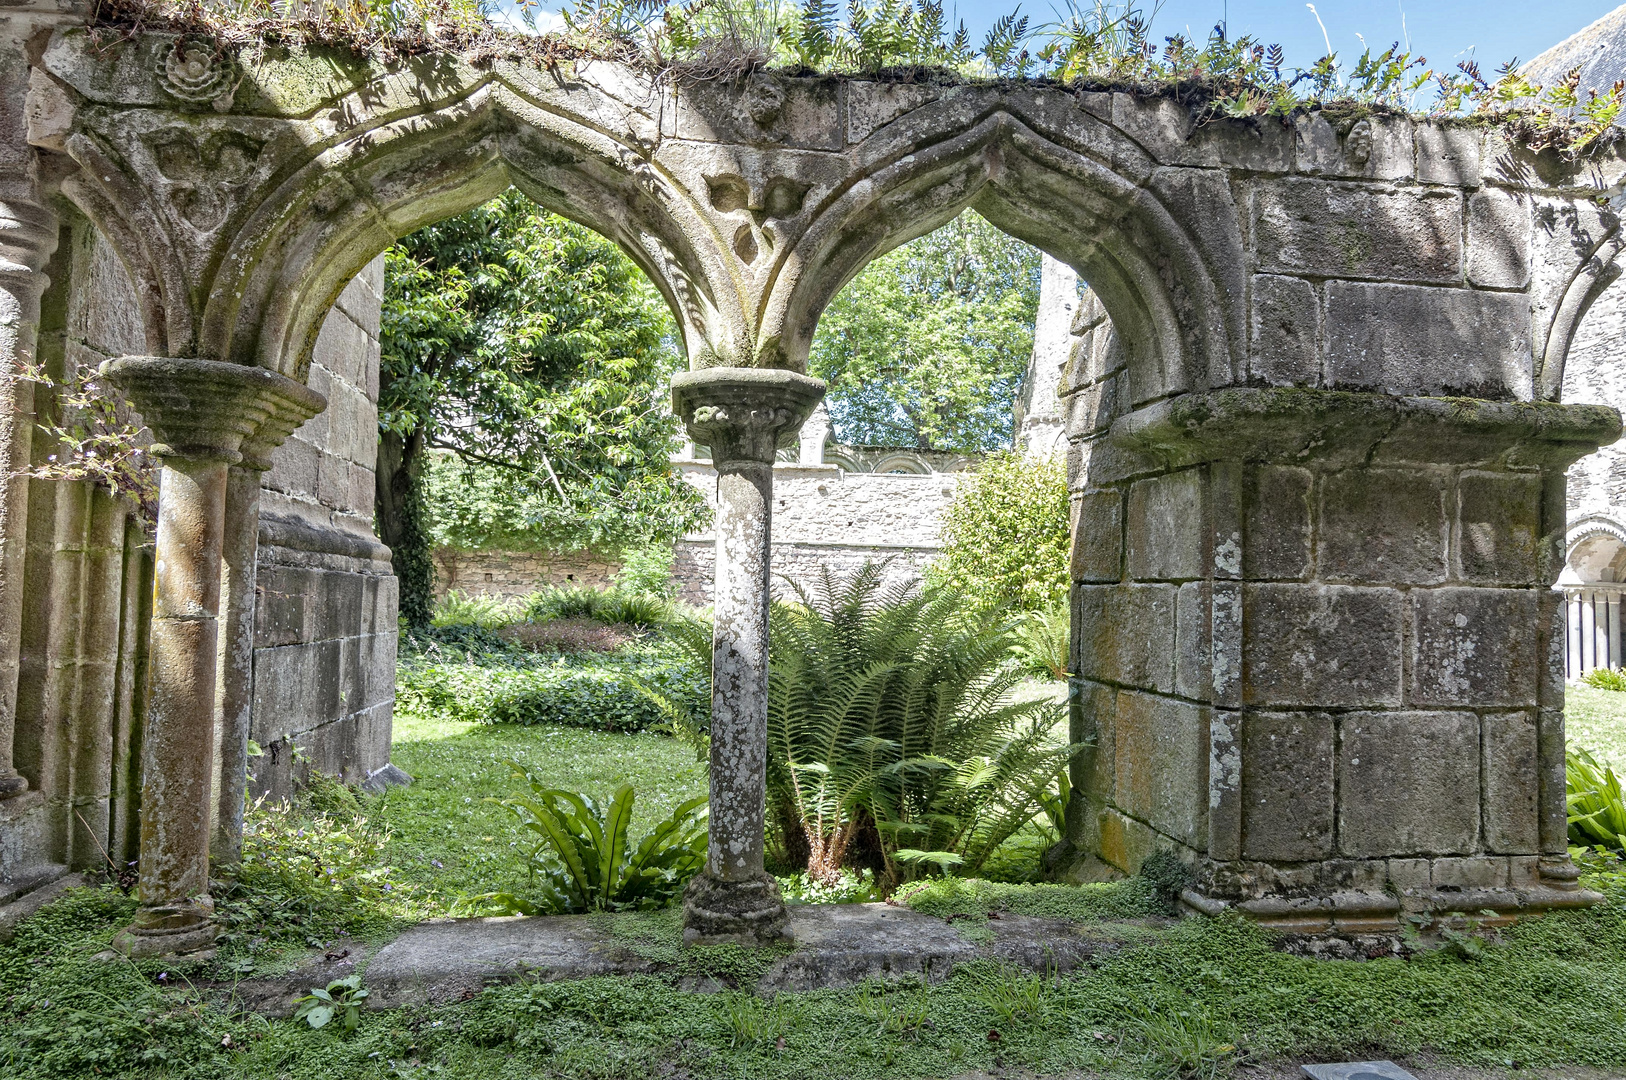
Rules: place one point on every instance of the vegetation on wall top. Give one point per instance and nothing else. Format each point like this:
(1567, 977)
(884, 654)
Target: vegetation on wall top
(1100, 45)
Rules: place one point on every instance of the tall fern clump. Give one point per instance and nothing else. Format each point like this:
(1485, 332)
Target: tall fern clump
(890, 724)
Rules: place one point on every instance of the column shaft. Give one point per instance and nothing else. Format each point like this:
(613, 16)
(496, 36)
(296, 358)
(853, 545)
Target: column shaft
(739, 671)
(178, 748)
(236, 696)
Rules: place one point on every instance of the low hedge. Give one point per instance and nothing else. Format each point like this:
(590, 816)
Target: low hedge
(598, 692)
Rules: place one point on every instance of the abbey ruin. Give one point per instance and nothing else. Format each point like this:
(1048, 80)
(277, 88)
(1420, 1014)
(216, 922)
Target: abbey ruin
(1314, 431)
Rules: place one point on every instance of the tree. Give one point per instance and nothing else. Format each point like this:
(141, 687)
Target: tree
(927, 345)
(534, 350)
(1006, 536)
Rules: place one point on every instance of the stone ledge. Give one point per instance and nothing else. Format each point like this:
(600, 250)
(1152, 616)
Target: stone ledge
(1381, 912)
(298, 535)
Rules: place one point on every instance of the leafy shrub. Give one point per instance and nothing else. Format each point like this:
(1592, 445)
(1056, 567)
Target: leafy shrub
(591, 691)
(1606, 679)
(1041, 641)
(889, 718)
(1597, 807)
(487, 612)
(585, 859)
(1006, 534)
(340, 998)
(647, 571)
(606, 605)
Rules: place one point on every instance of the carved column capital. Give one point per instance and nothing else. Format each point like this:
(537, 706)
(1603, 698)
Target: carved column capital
(744, 414)
(210, 410)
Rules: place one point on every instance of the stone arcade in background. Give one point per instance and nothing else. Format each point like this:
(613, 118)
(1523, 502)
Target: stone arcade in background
(1313, 432)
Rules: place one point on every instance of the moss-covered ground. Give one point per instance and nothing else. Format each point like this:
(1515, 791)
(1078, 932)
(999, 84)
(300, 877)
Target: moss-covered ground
(1199, 999)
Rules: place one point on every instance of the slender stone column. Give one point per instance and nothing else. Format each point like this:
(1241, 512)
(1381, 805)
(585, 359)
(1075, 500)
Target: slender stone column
(200, 413)
(28, 236)
(241, 549)
(743, 414)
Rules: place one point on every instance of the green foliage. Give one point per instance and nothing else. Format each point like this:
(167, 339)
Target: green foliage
(959, 897)
(928, 344)
(341, 998)
(583, 690)
(487, 612)
(613, 605)
(1006, 535)
(1041, 641)
(585, 859)
(889, 710)
(647, 571)
(1606, 679)
(1596, 804)
(848, 887)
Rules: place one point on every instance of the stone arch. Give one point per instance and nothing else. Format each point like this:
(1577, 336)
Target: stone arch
(1057, 181)
(911, 464)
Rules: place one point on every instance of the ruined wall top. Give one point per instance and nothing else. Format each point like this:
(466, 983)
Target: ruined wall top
(1379, 253)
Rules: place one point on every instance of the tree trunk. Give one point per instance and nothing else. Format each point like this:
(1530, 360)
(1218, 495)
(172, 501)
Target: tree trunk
(400, 517)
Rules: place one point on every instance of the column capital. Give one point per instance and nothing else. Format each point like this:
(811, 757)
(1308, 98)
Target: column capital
(209, 410)
(744, 414)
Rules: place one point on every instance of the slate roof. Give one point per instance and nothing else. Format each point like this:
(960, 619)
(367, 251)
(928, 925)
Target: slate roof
(1599, 51)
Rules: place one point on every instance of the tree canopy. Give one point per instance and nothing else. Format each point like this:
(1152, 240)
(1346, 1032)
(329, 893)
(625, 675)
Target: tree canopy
(537, 354)
(927, 346)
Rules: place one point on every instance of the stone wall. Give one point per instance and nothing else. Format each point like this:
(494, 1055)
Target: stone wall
(519, 573)
(324, 659)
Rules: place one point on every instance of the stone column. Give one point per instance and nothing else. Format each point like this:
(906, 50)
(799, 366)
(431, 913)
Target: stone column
(240, 551)
(744, 415)
(200, 412)
(28, 235)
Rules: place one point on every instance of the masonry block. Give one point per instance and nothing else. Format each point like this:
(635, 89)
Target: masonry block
(1320, 645)
(1498, 527)
(1284, 334)
(1448, 155)
(1499, 239)
(1287, 785)
(1383, 525)
(1192, 639)
(1167, 533)
(1161, 764)
(1408, 783)
(1473, 872)
(1327, 229)
(1125, 842)
(1405, 339)
(1512, 778)
(1125, 634)
(1277, 511)
(1474, 647)
(1378, 148)
(295, 468)
(1098, 536)
(1091, 409)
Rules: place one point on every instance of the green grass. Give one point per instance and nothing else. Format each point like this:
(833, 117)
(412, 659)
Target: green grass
(1596, 721)
(442, 816)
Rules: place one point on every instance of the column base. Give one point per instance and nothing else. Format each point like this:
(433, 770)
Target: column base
(168, 931)
(749, 912)
(12, 784)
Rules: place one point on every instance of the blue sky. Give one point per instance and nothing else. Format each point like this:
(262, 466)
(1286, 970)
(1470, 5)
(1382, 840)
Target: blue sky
(1444, 31)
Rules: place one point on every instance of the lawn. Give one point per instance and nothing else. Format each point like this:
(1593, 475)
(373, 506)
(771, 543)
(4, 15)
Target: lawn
(1595, 720)
(1200, 999)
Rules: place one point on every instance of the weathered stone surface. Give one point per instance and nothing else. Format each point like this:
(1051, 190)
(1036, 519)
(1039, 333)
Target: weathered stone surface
(1287, 785)
(1166, 535)
(1161, 764)
(1278, 523)
(1408, 783)
(1193, 642)
(1498, 527)
(1510, 760)
(1377, 148)
(1125, 634)
(1383, 525)
(1448, 155)
(1400, 339)
(1499, 224)
(1284, 340)
(1316, 645)
(1473, 647)
(1098, 536)
(1358, 231)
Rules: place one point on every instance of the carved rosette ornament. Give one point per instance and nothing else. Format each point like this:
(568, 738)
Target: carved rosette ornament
(199, 74)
